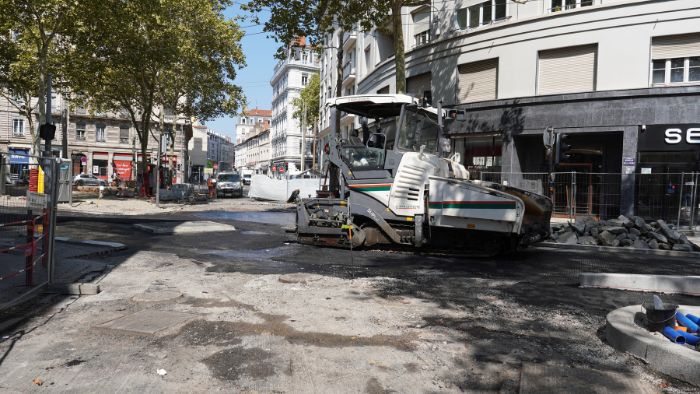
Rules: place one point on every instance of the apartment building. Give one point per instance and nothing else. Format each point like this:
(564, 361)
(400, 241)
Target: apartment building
(619, 79)
(251, 119)
(220, 151)
(255, 153)
(290, 76)
(103, 144)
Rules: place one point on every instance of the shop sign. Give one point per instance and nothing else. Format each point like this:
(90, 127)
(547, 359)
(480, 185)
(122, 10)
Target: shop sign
(36, 201)
(19, 156)
(95, 169)
(628, 161)
(646, 170)
(679, 137)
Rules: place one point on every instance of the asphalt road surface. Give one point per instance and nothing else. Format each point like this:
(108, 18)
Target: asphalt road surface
(276, 316)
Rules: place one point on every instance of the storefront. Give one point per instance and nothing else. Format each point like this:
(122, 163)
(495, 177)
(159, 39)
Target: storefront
(668, 160)
(123, 166)
(79, 161)
(19, 164)
(480, 152)
(100, 165)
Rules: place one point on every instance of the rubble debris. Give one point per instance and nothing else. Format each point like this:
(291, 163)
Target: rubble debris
(629, 232)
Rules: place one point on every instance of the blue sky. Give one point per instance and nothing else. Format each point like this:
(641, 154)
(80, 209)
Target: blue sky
(254, 78)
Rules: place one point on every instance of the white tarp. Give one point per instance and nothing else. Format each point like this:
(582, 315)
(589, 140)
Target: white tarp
(266, 188)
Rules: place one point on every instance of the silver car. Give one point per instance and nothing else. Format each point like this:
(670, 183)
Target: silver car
(229, 183)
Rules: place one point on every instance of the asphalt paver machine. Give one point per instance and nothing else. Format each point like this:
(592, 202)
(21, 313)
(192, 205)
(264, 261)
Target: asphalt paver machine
(398, 184)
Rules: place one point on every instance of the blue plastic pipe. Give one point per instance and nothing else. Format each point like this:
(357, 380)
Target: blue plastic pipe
(684, 321)
(693, 318)
(690, 339)
(673, 335)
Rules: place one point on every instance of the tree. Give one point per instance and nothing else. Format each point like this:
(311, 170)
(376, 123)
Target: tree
(316, 19)
(308, 104)
(32, 46)
(179, 55)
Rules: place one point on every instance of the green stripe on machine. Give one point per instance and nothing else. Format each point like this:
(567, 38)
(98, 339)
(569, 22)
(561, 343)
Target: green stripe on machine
(472, 204)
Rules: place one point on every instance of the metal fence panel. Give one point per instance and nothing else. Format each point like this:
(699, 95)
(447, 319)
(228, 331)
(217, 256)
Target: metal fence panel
(672, 197)
(27, 225)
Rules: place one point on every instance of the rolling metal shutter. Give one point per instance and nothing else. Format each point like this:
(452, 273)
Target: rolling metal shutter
(669, 47)
(418, 84)
(567, 70)
(477, 81)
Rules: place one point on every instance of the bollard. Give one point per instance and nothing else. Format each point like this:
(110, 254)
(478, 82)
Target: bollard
(29, 251)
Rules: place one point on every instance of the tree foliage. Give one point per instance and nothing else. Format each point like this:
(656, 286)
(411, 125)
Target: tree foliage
(33, 44)
(316, 19)
(308, 100)
(142, 56)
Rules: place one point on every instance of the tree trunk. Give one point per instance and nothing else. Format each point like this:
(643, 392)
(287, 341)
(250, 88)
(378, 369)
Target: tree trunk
(339, 78)
(399, 56)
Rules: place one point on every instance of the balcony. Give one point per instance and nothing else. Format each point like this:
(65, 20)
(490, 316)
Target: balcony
(349, 40)
(348, 73)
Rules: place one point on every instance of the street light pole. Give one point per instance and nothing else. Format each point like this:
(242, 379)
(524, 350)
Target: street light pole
(303, 136)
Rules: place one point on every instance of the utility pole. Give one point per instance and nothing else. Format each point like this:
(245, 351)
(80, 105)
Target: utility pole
(303, 135)
(160, 147)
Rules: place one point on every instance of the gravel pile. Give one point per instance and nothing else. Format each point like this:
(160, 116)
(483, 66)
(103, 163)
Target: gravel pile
(631, 232)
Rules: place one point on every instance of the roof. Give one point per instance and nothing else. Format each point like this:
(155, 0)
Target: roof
(258, 112)
(372, 105)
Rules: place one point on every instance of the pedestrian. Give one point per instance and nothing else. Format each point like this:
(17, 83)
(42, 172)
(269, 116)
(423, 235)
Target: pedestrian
(211, 187)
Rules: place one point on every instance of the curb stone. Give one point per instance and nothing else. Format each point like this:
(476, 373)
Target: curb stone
(662, 355)
(613, 249)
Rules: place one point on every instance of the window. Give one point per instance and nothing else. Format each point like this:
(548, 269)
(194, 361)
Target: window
(18, 127)
(100, 133)
(567, 70)
(124, 134)
(558, 5)
(422, 38)
(659, 71)
(80, 131)
(678, 70)
(304, 79)
(482, 14)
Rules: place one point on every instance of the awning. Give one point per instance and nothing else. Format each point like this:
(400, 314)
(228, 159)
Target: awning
(123, 157)
(18, 156)
(100, 156)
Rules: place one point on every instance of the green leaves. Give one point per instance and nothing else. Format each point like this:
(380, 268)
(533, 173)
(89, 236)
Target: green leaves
(309, 100)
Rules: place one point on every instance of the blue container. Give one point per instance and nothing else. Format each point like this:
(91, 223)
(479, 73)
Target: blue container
(690, 339)
(693, 318)
(673, 335)
(684, 321)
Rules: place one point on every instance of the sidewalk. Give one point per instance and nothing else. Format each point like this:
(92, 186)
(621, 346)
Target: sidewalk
(71, 265)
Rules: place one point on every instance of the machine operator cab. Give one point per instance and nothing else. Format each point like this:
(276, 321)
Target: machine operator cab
(400, 125)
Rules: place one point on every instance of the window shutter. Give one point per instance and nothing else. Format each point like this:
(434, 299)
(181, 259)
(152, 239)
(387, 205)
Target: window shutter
(567, 70)
(477, 81)
(418, 84)
(669, 47)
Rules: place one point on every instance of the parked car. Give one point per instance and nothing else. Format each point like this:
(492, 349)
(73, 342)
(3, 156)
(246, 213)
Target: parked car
(247, 178)
(88, 180)
(229, 183)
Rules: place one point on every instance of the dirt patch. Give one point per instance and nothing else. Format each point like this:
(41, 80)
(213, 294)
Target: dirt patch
(216, 303)
(230, 364)
(274, 324)
(374, 387)
(203, 333)
(73, 363)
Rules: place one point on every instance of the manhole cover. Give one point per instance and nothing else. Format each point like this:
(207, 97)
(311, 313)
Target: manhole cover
(147, 321)
(156, 296)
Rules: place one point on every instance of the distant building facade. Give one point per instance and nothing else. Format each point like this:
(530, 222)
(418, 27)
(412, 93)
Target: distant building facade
(249, 120)
(103, 144)
(290, 76)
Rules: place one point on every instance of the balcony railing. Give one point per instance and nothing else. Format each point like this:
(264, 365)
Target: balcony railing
(348, 73)
(349, 39)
